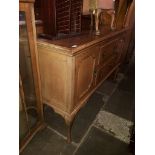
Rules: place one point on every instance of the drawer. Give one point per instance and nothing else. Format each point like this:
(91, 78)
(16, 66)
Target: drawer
(105, 71)
(107, 51)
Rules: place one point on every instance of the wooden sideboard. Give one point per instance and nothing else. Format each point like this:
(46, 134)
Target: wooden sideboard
(74, 67)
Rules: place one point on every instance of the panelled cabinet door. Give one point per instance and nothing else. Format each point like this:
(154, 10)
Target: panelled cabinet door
(85, 72)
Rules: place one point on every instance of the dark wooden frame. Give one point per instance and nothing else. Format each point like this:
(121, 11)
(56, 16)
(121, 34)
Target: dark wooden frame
(28, 7)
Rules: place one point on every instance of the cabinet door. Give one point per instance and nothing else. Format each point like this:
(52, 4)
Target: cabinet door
(86, 72)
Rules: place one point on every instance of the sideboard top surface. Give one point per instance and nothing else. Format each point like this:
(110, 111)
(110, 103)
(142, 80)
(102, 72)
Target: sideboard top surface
(72, 44)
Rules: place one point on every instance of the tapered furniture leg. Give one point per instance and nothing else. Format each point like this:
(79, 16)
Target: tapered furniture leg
(112, 20)
(112, 14)
(97, 13)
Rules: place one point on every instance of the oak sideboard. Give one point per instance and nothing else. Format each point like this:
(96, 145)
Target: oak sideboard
(72, 68)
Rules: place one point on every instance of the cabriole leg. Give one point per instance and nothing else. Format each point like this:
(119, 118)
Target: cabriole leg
(69, 124)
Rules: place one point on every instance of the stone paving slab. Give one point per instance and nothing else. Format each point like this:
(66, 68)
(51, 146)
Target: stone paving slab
(112, 124)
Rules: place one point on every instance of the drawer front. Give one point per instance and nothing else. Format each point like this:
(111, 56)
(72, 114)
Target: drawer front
(107, 51)
(106, 70)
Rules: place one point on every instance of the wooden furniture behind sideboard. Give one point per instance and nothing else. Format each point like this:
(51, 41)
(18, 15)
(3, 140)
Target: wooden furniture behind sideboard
(30, 103)
(71, 69)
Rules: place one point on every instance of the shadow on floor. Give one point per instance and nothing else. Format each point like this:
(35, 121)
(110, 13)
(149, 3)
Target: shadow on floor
(82, 121)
